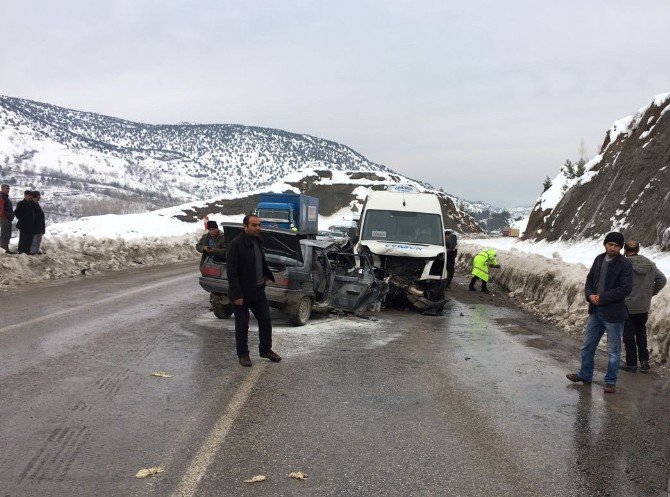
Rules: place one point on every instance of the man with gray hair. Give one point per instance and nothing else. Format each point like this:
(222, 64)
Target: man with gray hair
(648, 280)
(6, 218)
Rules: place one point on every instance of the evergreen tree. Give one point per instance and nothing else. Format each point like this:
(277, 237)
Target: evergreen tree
(546, 185)
(580, 168)
(569, 169)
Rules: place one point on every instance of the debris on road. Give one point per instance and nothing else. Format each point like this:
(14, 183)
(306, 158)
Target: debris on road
(143, 473)
(298, 475)
(162, 374)
(256, 479)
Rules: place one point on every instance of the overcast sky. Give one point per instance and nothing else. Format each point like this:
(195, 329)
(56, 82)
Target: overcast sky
(484, 99)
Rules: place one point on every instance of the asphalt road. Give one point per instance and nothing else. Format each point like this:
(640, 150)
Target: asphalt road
(472, 403)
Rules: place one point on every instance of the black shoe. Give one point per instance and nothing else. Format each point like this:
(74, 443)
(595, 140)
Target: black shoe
(472, 289)
(245, 361)
(626, 367)
(273, 356)
(486, 291)
(610, 388)
(644, 367)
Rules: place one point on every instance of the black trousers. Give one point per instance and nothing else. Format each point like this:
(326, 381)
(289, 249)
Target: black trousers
(451, 265)
(635, 338)
(261, 309)
(474, 280)
(25, 241)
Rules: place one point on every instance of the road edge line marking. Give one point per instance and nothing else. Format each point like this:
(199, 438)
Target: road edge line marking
(95, 303)
(205, 456)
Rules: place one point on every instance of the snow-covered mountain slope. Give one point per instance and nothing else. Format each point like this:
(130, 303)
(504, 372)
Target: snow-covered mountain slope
(623, 188)
(56, 149)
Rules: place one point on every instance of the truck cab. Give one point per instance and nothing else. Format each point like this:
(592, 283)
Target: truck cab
(291, 211)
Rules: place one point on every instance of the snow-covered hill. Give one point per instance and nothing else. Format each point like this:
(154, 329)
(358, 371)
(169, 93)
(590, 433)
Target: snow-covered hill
(623, 188)
(72, 155)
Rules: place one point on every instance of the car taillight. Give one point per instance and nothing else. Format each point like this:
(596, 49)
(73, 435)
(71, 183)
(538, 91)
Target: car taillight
(284, 281)
(210, 271)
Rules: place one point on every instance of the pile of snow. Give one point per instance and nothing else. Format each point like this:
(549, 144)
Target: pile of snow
(554, 289)
(69, 256)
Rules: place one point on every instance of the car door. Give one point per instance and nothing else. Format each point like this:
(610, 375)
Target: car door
(354, 287)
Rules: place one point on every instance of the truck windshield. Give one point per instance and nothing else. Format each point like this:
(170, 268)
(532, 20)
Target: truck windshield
(273, 215)
(407, 227)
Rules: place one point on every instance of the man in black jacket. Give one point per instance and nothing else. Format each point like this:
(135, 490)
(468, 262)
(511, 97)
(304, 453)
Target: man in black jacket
(39, 226)
(6, 217)
(608, 283)
(26, 221)
(247, 273)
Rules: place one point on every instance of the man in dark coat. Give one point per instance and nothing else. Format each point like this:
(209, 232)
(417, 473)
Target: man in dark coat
(213, 242)
(247, 273)
(26, 221)
(450, 241)
(608, 283)
(6, 218)
(39, 226)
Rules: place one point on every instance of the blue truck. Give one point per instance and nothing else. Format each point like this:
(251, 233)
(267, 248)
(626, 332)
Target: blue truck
(293, 211)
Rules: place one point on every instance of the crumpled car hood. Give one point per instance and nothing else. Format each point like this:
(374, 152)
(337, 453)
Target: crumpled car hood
(398, 249)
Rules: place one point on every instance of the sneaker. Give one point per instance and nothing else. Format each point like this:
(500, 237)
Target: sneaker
(574, 378)
(644, 367)
(609, 388)
(245, 361)
(273, 356)
(626, 367)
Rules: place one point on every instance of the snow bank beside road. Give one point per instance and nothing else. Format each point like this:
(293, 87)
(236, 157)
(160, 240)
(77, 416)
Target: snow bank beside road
(69, 256)
(554, 289)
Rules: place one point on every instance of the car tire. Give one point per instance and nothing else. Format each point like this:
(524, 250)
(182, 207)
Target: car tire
(300, 313)
(222, 311)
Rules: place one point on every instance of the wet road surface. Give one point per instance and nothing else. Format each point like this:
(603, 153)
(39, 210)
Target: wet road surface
(472, 403)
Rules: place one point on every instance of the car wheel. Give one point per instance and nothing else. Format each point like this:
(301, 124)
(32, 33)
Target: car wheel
(222, 311)
(301, 312)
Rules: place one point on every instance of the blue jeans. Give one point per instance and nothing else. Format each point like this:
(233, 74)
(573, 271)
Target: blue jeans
(595, 328)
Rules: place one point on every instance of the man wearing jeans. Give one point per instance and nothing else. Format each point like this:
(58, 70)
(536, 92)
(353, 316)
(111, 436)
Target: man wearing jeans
(608, 283)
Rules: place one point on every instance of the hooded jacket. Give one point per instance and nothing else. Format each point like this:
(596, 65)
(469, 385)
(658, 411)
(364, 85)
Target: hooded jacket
(481, 263)
(648, 280)
(618, 285)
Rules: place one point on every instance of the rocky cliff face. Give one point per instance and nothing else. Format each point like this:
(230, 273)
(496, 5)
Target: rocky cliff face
(625, 188)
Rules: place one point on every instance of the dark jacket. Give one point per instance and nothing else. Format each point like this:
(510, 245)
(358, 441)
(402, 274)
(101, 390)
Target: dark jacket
(618, 285)
(241, 268)
(39, 224)
(7, 209)
(218, 244)
(25, 215)
(648, 280)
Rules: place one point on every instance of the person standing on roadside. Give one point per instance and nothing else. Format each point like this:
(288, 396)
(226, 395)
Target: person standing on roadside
(213, 242)
(247, 274)
(480, 269)
(26, 221)
(648, 280)
(39, 226)
(450, 241)
(608, 283)
(6, 218)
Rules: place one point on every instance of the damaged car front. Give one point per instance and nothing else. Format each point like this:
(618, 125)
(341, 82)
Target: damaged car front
(310, 275)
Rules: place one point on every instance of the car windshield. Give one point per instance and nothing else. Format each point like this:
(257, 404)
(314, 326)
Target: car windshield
(272, 215)
(407, 227)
